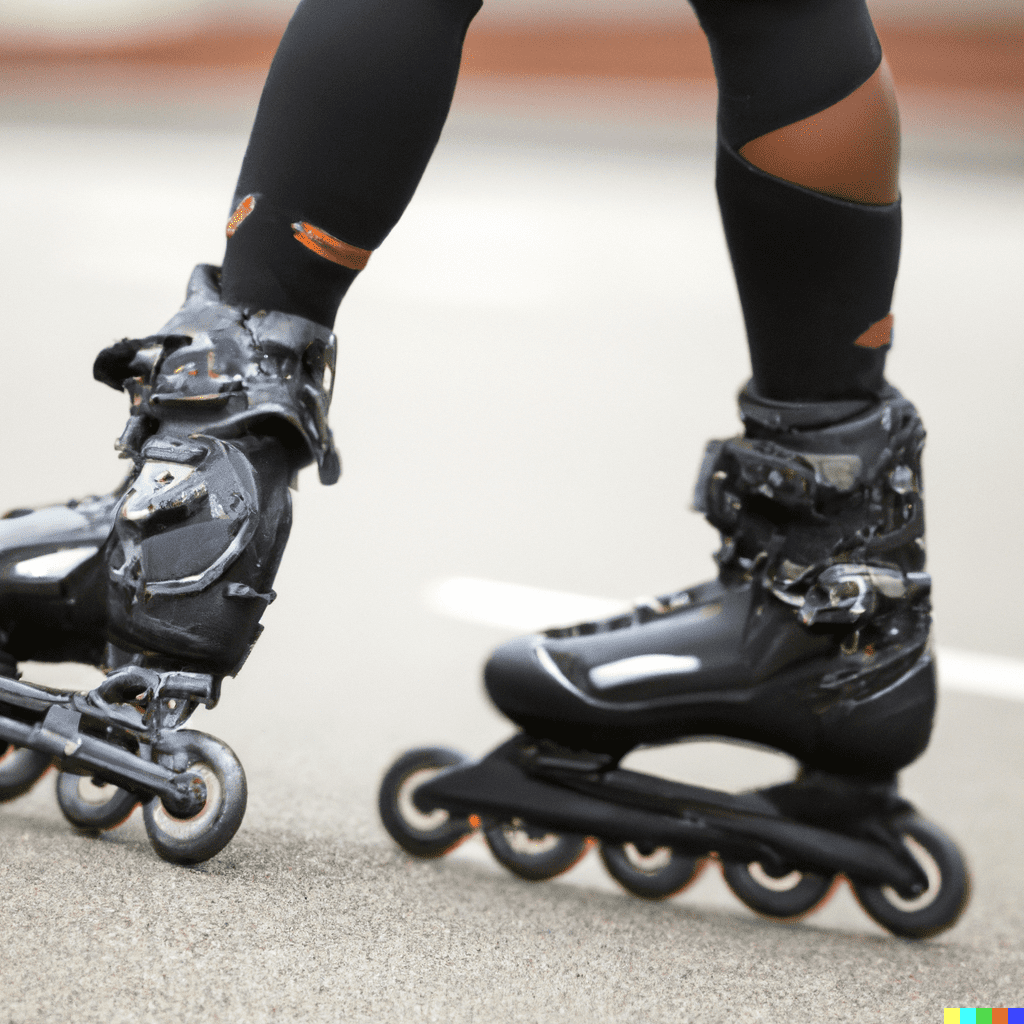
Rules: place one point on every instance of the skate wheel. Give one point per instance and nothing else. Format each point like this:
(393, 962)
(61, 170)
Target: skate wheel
(533, 853)
(423, 835)
(941, 904)
(783, 898)
(656, 875)
(93, 805)
(197, 838)
(20, 769)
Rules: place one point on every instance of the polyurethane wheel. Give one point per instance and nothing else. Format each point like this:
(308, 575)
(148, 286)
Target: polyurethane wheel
(421, 834)
(941, 904)
(20, 769)
(652, 875)
(204, 834)
(93, 805)
(783, 898)
(533, 853)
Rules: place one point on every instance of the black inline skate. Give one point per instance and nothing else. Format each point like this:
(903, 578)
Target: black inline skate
(813, 640)
(162, 583)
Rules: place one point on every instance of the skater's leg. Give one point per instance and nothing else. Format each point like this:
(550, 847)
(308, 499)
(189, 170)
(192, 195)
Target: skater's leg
(235, 389)
(352, 109)
(807, 165)
(165, 581)
(230, 397)
(814, 637)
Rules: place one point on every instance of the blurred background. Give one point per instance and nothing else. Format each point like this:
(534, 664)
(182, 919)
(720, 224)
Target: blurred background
(958, 65)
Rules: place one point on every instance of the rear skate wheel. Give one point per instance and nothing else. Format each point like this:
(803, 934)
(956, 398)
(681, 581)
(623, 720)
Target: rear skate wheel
(197, 838)
(533, 853)
(784, 897)
(423, 835)
(655, 875)
(91, 804)
(941, 904)
(20, 769)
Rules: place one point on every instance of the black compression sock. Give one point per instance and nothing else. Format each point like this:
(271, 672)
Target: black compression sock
(815, 276)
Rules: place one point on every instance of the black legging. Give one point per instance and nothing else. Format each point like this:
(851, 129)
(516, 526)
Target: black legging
(358, 93)
(353, 106)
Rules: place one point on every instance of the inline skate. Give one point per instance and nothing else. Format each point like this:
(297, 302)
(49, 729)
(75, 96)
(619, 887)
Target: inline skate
(813, 640)
(162, 583)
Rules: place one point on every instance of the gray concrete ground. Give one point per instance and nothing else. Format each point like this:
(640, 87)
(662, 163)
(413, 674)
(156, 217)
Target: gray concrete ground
(529, 370)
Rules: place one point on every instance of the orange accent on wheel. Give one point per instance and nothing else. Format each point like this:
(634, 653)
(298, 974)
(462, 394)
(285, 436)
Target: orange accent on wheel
(329, 247)
(474, 820)
(244, 208)
(878, 335)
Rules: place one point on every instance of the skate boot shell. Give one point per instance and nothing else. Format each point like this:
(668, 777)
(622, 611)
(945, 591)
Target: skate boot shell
(813, 640)
(163, 582)
(227, 404)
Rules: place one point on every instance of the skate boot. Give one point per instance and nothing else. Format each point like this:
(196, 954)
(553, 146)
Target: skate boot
(813, 640)
(163, 582)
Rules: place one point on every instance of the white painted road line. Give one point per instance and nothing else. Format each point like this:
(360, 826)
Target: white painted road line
(524, 609)
(987, 674)
(514, 606)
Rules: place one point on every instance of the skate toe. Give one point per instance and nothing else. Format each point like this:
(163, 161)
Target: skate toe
(528, 684)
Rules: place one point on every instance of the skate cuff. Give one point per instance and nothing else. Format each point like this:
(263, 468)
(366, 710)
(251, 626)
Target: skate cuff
(829, 519)
(228, 369)
(741, 468)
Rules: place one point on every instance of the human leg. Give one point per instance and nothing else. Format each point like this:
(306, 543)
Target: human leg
(813, 640)
(821, 569)
(352, 108)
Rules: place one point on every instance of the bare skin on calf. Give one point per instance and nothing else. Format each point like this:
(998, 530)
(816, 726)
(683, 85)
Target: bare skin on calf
(850, 150)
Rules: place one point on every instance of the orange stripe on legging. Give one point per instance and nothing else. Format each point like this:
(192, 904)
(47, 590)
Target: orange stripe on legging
(244, 208)
(878, 335)
(329, 247)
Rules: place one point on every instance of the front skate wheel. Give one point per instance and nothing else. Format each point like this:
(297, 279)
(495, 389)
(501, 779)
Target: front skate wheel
(91, 804)
(533, 853)
(421, 834)
(784, 897)
(197, 838)
(941, 904)
(20, 769)
(654, 874)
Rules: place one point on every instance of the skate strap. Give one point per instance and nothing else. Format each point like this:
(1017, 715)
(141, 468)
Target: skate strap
(740, 467)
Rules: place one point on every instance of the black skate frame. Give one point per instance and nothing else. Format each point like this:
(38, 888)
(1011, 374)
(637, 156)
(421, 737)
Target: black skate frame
(550, 787)
(84, 740)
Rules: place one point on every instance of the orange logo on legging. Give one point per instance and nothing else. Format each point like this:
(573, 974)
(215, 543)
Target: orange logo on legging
(331, 248)
(242, 210)
(878, 335)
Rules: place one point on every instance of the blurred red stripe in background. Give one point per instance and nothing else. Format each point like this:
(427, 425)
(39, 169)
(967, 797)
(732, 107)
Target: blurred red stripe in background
(959, 56)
